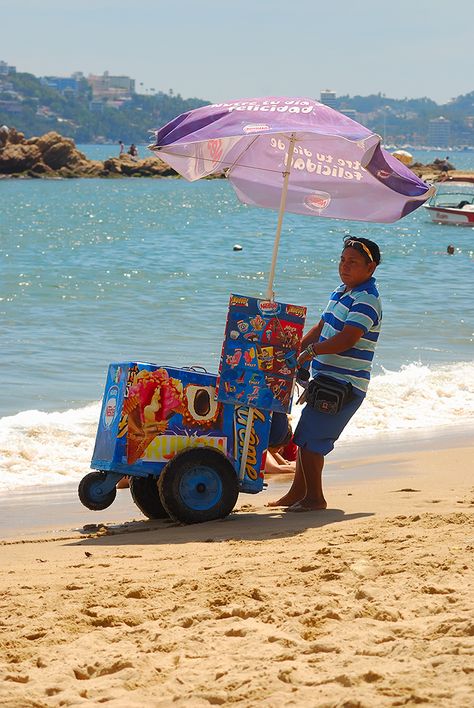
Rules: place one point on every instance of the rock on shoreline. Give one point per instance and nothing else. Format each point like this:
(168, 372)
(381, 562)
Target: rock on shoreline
(54, 156)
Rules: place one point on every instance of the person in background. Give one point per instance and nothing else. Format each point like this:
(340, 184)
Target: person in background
(4, 130)
(132, 150)
(280, 436)
(450, 249)
(275, 463)
(445, 166)
(121, 147)
(341, 347)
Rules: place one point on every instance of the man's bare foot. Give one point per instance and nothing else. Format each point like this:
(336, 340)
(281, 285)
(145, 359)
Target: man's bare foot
(286, 500)
(308, 505)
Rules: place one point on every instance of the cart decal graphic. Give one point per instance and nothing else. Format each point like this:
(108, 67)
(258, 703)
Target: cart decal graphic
(165, 447)
(110, 408)
(241, 418)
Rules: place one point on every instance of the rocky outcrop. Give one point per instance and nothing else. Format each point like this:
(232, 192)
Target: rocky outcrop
(54, 156)
(126, 166)
(440, 171)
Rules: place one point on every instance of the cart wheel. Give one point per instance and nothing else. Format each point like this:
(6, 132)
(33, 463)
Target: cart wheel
(92, 493)
(198, 485)
(144, 491)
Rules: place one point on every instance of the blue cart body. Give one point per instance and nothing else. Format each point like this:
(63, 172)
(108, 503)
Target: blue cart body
(150, 413)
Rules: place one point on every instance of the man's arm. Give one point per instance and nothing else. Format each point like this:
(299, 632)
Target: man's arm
(341, 341)
(312, 336)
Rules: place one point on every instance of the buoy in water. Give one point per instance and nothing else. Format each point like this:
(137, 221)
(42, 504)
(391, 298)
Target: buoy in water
(237, 247)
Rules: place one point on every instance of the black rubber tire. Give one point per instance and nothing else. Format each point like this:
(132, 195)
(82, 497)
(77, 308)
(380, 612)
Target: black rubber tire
(144, 491)
(88, 492)
(198, 485)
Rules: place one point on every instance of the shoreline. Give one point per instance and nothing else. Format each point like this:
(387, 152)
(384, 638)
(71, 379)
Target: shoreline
(27, 511)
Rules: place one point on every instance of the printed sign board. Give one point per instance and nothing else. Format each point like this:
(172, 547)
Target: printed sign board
(259, 355)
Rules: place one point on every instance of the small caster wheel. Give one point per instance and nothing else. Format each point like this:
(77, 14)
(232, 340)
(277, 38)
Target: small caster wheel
(93, 493)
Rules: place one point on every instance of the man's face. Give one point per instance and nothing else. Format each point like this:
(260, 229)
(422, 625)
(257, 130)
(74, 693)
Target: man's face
(354, 268)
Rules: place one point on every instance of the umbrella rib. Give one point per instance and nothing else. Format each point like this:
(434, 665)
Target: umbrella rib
(229, 170)
(231, 164)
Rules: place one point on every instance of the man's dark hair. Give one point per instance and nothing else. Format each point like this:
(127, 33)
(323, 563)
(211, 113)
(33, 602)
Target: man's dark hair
(352, 241)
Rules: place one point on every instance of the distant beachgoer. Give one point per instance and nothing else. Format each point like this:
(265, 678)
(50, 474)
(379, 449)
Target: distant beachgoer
(132, 151)
(341, 347)
(4, 130)
(122, 147)
(445, 166)
(450, 249)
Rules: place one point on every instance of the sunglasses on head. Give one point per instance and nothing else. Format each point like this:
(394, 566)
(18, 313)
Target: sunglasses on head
(352, 242)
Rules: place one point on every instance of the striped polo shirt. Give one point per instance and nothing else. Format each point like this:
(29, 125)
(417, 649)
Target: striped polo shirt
(359, 307)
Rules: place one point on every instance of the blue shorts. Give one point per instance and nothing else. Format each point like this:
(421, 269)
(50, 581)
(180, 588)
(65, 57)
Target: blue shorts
(318, 432)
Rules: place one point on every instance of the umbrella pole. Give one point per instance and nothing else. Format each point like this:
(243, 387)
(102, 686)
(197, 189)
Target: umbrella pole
(270, 293)
(284, 191)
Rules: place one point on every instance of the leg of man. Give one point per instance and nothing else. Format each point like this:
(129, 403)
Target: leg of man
(297, 490)
(311, 464)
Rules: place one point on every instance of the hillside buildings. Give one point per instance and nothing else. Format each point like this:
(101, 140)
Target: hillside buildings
(439, 132)
(5, 69)
(113, 90)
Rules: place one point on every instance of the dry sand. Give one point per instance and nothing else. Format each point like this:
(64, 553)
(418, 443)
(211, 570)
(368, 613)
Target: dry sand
(369, 603)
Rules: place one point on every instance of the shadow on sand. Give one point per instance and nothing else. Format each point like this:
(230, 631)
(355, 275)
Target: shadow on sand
(245, 524)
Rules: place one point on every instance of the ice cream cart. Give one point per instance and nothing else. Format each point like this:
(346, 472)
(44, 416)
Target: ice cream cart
(190, 441)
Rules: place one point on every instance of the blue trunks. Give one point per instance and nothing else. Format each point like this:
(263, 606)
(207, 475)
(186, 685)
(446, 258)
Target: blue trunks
(318, 432)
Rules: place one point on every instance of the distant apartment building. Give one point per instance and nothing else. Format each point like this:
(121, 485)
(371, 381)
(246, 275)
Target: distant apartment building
(439, 132)
(328, 97)
(63, 84)
(10, 106)
(349, 112)
(111, 89)
(5, 69)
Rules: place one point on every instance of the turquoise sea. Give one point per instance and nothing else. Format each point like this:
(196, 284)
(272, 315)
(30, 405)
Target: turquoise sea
(94, 271)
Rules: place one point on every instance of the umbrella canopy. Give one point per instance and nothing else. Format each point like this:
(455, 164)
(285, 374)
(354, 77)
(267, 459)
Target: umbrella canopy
(295, 155)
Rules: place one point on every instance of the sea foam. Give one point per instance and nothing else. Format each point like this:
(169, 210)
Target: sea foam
(39, 448)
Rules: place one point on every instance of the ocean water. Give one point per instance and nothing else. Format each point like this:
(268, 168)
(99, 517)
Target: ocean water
(95, 271)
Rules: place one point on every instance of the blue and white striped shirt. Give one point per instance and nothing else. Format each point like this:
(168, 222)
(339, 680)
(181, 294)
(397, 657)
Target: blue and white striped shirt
(359, 307)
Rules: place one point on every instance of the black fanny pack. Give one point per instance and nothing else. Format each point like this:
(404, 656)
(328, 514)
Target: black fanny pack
(328, 395)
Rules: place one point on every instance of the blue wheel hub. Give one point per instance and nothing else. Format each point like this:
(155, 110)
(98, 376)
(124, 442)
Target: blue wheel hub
(200, 488)
(97, 492)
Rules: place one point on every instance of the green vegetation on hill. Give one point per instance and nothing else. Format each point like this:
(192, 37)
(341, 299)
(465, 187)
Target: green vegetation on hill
(35, 108)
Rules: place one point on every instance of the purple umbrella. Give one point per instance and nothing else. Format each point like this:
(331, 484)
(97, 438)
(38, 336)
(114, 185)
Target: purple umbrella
(295, 155)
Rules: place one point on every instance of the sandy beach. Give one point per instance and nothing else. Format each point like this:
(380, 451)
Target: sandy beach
(369, 603)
